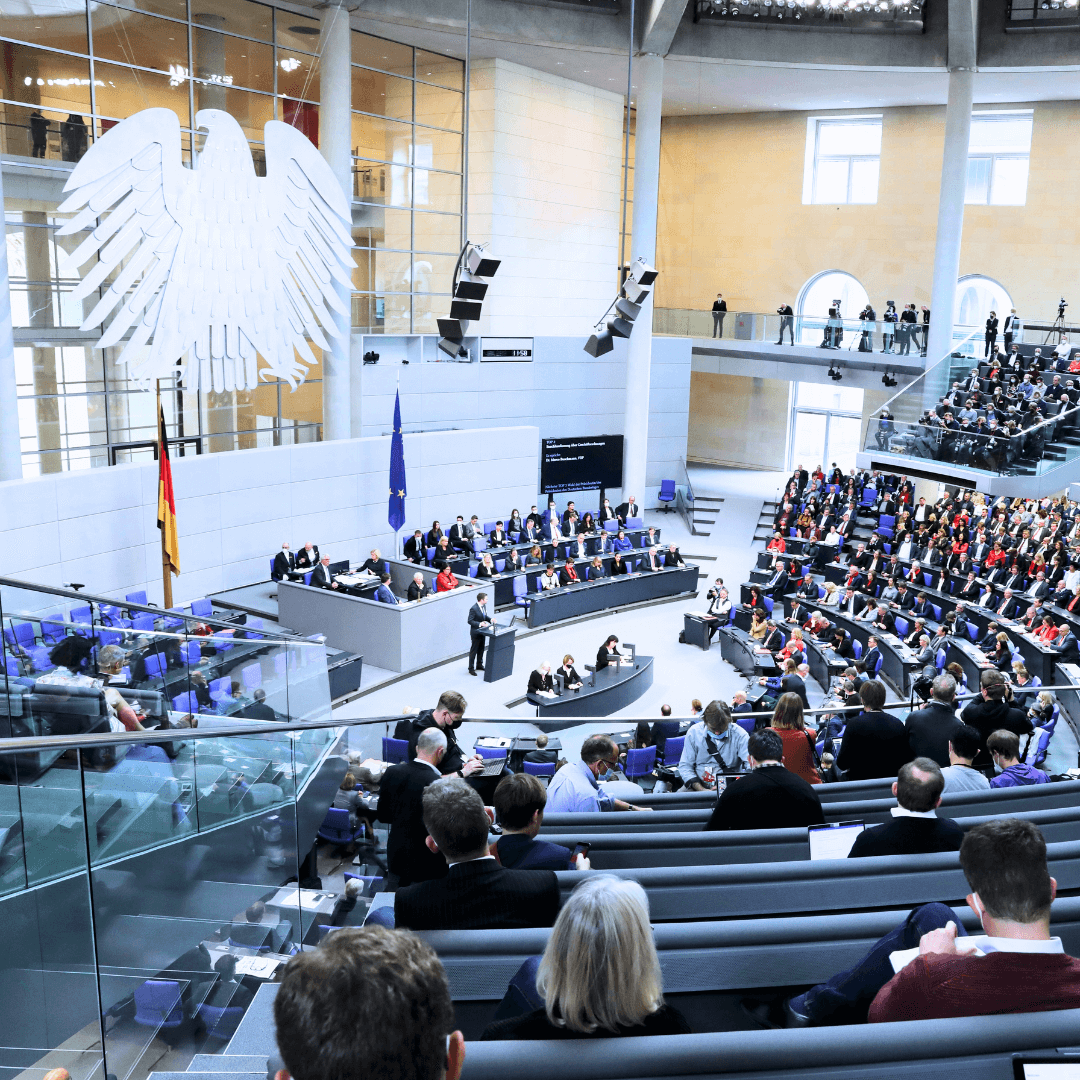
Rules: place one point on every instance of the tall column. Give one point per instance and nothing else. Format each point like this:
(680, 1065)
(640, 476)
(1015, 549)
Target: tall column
(950, 222)
(650, 87)
(10, 447)
(335, 142)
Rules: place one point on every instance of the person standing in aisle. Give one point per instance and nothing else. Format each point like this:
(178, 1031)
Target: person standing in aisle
(890, 319)
(990, 346)
(719, 310)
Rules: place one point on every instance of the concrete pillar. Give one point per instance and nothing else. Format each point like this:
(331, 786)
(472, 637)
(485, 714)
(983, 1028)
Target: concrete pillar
(10, 448)
(950, 222)
(36, 240)
(650, 93)
(335, 142)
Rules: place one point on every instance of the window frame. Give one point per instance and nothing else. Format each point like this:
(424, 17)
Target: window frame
(814, 124)
(994, 156)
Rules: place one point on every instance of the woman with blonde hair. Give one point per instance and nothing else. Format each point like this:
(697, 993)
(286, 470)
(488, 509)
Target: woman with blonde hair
(599, 976)
(832, 595)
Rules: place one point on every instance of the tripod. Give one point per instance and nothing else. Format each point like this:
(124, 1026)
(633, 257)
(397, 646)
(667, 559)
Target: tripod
(1058, 328)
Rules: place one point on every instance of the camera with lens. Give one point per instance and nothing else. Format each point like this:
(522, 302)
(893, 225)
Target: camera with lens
(1062, 305)
(371, 357)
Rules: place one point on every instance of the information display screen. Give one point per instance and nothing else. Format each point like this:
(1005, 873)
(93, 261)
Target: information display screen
(581, 464)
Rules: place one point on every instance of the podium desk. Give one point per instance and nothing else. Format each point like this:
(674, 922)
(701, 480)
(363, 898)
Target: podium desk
(696, 631)
(499, 653)
(604, 692)
(570, 601)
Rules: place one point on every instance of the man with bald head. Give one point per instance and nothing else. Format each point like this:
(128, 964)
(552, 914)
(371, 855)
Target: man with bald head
(915, 828)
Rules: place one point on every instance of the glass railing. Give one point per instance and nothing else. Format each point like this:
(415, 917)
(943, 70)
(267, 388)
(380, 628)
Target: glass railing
(810, 331)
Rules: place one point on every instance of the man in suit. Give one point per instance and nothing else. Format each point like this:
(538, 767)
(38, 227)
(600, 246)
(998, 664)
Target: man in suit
(459, 537)
(307, 558)
(531, 532)
(769, 796)
(875, 743)
(258, 709)
(672, 557)
(990, 712)
(320, 576)
(519, 803)
(414, 548)
(778, 584)
(871, 657)
(1039, 588)
(628, 509)
(417, 589)
(284, 563)
(476, 893)
(971, 589)
(1009, 606)
(401, 793)
(931, 727)
(915, 829)
(446, 716)
(498, 537)
(1065, 644)
(479, 619)
(384, 594)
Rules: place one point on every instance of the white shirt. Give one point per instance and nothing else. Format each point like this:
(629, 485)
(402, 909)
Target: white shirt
(421, 761)
(1024, 945)
(899, 811)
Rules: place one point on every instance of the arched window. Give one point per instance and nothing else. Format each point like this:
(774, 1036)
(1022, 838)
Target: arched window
(976, 297)
(817, 297)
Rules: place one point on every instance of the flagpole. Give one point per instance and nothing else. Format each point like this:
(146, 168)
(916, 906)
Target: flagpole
(166, 567)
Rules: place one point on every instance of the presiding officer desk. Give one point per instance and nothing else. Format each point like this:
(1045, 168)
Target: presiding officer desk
(570, 601)
(602, 693)
(398, 637)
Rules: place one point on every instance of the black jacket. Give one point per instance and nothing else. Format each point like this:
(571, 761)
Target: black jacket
(986, 717)
(417, 592)
(476, 617)
(929, 731)
(480, 895)
(520, 852)
(401, 795)
(302, 562)
(412, 727)
(538, 682)
(771, 797)
(414, 550)
(908, 836)
(284, 561)
(874, 746)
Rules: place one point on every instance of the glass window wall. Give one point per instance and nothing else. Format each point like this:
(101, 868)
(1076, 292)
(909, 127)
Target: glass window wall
(72, 71)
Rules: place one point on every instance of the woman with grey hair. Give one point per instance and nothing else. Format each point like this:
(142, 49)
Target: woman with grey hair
(599, 976)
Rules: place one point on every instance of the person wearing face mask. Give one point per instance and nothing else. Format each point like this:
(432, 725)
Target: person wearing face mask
(1004, 862)
(284, 564)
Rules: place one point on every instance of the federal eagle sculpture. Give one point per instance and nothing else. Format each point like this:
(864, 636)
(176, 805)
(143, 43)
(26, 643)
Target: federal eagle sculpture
(215, 263)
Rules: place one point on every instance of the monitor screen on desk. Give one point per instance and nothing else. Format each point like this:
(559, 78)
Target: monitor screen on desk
(340, 567)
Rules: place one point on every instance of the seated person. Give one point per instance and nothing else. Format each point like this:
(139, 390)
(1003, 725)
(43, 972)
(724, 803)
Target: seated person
(307, 558)
(621, 542)
(417, 587)
(414, 548)
(381, 998)
(915, 829)
(321, 577)
(569, 673)
(618, 566)
(608, 653)
(535, 556)
(498, 537)
(1004, 862)
(255, 929)
(672, 557)
(519, 808)
(963, 749)
(373, 564)
(284, 564)
(345, 913)
(258, 709)
(477, 893)
(714, 746)
(110, 663)
(1004, 747)
(575, 788)
(513, 561)
(434, 534)
(600, 973)
(597, 570)
(445, 581)
(460, 536)
(384, 594)
(228, 991)
(540, 681)
(568, 575)
(542, 755)
(443, 552)
(769, 796)
(486, 568)
(654, 560)
(548, 580)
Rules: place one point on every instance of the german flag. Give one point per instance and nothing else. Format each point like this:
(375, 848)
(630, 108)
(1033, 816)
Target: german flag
(166, 504)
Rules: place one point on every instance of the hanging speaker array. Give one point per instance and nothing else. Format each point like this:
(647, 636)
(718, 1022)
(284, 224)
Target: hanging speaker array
(618, 320)
(474, 264)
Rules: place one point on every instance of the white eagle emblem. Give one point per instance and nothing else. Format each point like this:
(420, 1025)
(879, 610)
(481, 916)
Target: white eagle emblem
(214, 263)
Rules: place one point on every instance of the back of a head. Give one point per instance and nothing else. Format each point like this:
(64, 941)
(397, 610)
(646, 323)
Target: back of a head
(966, 742)
(256, 912)
(517, 798)
(452, 702)
(717, 716)
(944, 689)
(598, 748)
(1004, 862)
(788, 714)
(367, 1000)
(919, 785)
(600, 968)
(455, 818)
(430, 741)
(993, 682)
(1004, 743)
(765, 745)
(541, 741)
(872, 695)
(348, 782)
(109, 656)
(665, 710)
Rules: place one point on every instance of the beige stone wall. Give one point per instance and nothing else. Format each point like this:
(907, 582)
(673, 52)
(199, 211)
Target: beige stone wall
(731, 216)
(738, 421)
(545, 184)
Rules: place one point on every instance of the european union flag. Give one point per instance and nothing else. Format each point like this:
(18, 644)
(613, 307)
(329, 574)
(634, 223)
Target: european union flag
(397, 470)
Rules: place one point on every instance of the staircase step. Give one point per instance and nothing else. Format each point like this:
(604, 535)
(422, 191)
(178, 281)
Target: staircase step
(708, 498)
(255, 1034)
(222, 1074)
(228, 1062)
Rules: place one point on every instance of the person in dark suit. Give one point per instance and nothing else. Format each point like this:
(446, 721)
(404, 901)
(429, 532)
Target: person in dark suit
(479, 619)
(1009, 607)
(258, 709)
(476, 893)
(542, 755)
(628, 509)
(1065, 644)
(320, 576)
(568, 575)
(915, 829)
(384, 594)
(519, 802)
(401, 793)
(284, 563)
(768, 797)
(932, 727)
(672, 557)
(459, 537)
(990, 712)
(841, 645)
(871, 656)
(414, 550)
(778, 584)
(307, 558)
(374, 563)
(498, 537)
(540, 681)
(417, 588)
(618, 566)
(875, 743)
(607, 653)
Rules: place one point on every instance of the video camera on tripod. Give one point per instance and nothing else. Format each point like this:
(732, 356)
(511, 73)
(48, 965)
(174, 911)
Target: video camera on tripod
(1062, 305)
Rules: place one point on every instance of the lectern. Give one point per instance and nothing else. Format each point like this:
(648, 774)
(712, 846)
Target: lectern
(499, 658)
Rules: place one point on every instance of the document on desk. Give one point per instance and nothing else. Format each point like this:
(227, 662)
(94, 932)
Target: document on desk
(305, 899)
(258, 967)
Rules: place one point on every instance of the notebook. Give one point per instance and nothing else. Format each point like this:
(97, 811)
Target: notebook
(834, 840)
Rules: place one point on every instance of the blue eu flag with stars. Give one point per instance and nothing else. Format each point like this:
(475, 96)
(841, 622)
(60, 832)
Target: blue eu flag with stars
(397, 470)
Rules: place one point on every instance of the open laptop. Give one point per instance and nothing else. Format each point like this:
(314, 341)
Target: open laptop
(1041, 1067)
(834, 840)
